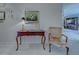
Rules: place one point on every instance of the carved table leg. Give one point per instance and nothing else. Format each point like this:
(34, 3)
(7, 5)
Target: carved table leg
(17, 43)
(42, 40)
(20, 40)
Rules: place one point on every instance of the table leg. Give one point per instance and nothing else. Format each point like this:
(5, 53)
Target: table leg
(20, 40)
(44, 42)
(17, 43)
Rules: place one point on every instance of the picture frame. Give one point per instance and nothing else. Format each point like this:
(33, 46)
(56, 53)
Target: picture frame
(71, 23)
(2, 16)
(32, 16)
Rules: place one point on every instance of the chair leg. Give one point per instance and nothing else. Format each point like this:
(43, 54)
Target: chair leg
(67, 50)
(44, 42)
(49, 47)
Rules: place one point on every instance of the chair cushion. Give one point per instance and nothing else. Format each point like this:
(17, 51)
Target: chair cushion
(55, 39)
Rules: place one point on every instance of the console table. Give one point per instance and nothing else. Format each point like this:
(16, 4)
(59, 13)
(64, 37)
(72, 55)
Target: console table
(30, 33)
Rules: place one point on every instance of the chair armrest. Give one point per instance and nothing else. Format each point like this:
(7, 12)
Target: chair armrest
(65, 37)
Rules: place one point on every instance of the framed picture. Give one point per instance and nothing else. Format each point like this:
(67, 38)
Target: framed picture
(71, 23)
(32, 16)
(2, 16)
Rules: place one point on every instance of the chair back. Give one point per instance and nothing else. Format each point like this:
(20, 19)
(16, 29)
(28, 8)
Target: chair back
(55, 33)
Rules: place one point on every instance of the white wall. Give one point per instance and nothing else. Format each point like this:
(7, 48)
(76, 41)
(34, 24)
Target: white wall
(50, 15)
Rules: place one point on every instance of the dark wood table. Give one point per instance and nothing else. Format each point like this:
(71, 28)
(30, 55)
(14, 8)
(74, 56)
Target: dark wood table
(30, 33)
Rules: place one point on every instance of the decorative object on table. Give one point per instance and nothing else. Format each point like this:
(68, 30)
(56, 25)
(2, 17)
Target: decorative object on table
(55, 37)
(32, 16)
(2, 16)
(30, 25)
(23, 22)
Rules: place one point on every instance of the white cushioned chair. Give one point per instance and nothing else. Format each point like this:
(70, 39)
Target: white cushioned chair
(55, 38)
